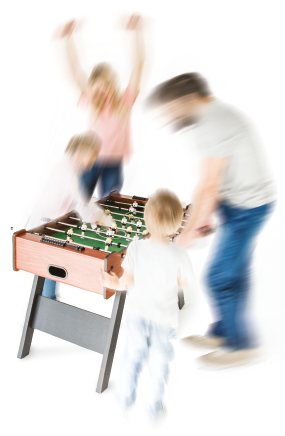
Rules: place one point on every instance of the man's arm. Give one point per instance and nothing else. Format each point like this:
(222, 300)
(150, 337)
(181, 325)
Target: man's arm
(135, 24)
(205, 197)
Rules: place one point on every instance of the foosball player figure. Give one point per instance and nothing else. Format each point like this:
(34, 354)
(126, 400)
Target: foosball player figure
(135, 204)
(83, 230)
(124, 222)
(129, 231)
(131, 209)
(109, 232)
(98, 227)
(136, 237)
(139, 225)
(108, 242)
(115, 227)
(145, 232)
(94, 226)
(131, 216)
(69, 234)
(107, 211)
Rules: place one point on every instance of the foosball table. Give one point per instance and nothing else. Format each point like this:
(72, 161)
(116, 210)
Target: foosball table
(70, 251)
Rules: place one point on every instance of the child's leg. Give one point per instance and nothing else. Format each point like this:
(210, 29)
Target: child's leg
(136, 350)
(90, 179)
(161, 352)
(112, 178)
(49, 289)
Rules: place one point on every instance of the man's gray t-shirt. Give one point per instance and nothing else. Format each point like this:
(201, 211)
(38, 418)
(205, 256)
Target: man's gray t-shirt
(224, 132)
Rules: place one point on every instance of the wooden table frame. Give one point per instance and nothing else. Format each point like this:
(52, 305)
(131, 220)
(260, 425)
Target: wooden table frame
(78, 326)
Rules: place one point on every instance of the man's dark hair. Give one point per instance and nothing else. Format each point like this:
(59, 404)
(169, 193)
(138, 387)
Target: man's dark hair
(177, 87)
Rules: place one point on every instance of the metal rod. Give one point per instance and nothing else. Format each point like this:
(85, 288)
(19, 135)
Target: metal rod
(82, 245)
(85, 237)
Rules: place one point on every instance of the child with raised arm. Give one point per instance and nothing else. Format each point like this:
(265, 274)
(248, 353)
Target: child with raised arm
(109, 109)
(62, 191)
(154, 270)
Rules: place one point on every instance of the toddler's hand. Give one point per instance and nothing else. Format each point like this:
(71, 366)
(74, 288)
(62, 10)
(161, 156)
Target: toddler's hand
(107, 220)
(107, 280)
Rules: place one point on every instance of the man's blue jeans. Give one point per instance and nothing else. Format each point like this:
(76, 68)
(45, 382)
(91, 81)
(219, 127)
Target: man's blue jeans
(108, 176)
(229, 274)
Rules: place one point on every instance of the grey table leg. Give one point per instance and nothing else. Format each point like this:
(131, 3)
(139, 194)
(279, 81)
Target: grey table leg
(28, 331)
(181, 300)
(111, 341)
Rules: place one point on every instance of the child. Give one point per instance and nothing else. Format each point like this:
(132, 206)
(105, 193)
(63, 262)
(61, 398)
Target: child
(63, 190)
(109, 110)
(154, 270)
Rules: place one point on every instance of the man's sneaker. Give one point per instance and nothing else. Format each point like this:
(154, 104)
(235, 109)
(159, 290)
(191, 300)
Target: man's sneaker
(204, 341)
(226, 358)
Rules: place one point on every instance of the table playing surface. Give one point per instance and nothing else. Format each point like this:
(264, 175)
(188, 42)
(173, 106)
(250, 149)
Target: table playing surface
(120, 237)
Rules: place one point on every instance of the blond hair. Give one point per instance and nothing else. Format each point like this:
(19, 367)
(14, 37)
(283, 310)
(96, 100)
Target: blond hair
(107, 73)
(163, 213)
(87, 142)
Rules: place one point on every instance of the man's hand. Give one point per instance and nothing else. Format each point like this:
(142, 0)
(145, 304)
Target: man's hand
(186, 239)
(204, 231)
(108, 280)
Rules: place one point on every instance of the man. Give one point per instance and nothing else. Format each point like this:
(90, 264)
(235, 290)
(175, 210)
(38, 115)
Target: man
(233, 181)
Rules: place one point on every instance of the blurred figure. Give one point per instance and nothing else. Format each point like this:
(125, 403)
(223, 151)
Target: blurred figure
(109, 110)
(154, 270)
(234, 181)
(63, 191)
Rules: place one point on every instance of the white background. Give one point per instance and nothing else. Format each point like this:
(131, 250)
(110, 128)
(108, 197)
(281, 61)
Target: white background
(239, 47)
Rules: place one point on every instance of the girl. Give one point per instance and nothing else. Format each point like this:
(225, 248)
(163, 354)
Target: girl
(109, 110)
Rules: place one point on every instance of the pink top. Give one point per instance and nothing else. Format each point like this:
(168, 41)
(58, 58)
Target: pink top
(114, 132)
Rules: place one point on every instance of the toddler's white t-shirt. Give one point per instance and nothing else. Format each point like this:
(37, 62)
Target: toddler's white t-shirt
(156, 269)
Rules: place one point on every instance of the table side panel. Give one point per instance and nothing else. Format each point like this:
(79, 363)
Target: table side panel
(82, 269)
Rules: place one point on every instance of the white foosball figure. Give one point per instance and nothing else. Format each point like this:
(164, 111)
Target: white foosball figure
(109, 232)
(94, 226)
(124, 222)
(129, 231)
(83, 230)
(136, 237)
(114, 227)
(69, 234)
(135, 205)
(131, 209)
(108, 242)
(98, 227)
(139, 225)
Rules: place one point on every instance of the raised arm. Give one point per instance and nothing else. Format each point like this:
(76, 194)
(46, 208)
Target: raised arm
(79, 76)
(135, 24)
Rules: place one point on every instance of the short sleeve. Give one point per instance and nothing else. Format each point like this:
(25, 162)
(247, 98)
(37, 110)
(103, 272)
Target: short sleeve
(185, 270)
(129, 261)
(219, 138)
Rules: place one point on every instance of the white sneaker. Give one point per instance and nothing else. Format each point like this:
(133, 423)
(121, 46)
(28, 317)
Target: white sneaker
(204, 341)
(227, 358)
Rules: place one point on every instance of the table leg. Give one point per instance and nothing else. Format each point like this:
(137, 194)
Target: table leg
(28, 331)
(111, 341)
